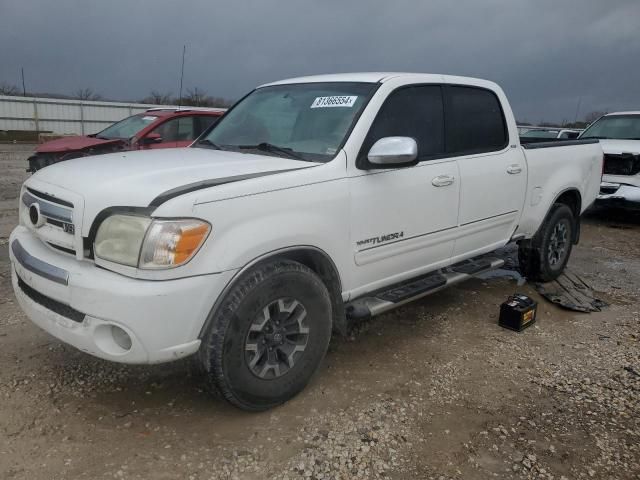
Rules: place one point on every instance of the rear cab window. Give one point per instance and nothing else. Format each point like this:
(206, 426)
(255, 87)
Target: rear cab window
(475, 121)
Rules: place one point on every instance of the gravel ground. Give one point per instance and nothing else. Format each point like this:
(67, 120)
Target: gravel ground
(435, 390)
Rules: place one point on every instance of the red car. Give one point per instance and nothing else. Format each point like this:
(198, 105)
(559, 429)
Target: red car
(155, 128)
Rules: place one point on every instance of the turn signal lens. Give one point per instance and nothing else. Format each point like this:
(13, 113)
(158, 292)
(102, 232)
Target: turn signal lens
(170, 243)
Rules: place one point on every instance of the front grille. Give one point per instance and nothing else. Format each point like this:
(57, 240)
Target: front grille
(623, 164)
(51, 304)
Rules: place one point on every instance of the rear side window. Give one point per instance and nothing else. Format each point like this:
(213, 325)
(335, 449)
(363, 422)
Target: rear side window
(475, 122)
(416, 112)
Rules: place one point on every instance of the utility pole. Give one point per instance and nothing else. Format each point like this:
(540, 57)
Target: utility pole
(24, 90)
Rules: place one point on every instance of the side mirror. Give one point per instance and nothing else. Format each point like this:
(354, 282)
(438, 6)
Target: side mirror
(393, 152)
(151, 138)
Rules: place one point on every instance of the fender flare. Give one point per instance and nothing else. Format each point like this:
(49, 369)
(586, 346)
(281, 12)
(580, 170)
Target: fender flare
(339, 322)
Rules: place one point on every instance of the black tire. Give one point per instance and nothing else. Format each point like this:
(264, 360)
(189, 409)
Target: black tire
(544, 257)
(244, 327)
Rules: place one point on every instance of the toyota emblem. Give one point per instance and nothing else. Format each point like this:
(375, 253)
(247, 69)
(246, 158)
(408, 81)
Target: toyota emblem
(34, 215)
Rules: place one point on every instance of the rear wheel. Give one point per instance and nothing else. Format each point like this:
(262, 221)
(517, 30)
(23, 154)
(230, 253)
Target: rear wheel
(268, 336)
(544, 257)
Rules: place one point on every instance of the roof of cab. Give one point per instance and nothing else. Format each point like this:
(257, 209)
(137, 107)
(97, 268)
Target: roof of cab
(376, 77)
(623, 113)
(168, 111)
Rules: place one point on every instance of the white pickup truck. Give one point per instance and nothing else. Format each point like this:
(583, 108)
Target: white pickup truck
(619, 135)
(311, 202)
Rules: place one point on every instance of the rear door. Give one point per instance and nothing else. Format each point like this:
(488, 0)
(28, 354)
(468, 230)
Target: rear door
(493, 172)
(404, 220)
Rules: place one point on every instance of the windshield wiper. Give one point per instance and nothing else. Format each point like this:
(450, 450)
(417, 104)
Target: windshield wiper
(270, 147)
(595, 136)
(205, 142)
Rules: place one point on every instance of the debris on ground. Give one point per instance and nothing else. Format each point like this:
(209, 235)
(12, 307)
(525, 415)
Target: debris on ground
(571, 292)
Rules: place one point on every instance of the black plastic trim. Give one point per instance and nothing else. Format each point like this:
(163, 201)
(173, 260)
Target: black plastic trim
(50, 304)
(192, 187)
(558, 143)
(50, 198)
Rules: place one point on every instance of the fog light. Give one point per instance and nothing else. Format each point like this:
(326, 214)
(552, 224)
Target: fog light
(122, 338)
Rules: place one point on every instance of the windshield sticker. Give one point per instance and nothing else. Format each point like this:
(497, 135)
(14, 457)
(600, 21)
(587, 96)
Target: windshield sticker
(337, 101)
(149, 118)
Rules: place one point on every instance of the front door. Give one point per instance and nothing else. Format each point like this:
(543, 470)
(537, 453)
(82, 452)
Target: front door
(404, 220)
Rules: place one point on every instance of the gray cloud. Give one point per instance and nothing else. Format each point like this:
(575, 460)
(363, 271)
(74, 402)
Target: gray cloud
(546, 54)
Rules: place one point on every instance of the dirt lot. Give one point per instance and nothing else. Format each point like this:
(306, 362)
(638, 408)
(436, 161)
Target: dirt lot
(435, 390)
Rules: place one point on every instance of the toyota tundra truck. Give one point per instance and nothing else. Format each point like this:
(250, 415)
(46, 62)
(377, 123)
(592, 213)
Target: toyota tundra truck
(313, 202)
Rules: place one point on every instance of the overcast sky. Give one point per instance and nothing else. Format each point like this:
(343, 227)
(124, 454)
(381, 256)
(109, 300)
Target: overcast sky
(546, 54)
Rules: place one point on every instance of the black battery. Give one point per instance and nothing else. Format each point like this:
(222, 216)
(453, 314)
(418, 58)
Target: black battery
(518, 312)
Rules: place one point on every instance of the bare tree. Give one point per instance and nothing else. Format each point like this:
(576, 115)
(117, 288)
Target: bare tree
(8, 89)
(198, 98)
(86, 94)
(195, 98)
(220, 102)
(593, 116)
(159, 98)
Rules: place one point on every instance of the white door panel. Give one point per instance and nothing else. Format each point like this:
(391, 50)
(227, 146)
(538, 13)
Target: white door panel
(401, 222)
(492, 192)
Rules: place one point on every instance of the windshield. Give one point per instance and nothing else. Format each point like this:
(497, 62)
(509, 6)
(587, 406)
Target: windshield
(308, 121)
(128, 127)
(540, 134)
(623, 127)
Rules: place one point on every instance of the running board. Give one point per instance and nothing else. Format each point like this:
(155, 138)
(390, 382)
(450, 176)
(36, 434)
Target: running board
(404, 292)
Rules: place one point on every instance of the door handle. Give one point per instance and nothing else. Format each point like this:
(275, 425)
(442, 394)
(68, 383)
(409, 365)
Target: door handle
(442, 180)
(514, 169)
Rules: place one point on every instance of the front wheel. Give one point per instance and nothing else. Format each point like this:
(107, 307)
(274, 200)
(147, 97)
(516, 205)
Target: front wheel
(268, 336)
(544, 257)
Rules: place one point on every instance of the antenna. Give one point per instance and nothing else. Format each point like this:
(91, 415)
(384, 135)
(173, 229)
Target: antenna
(577, 109)
(184, 50)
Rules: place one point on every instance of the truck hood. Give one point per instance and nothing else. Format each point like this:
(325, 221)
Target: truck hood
(72, 144)
(144, 178)
(616, 147)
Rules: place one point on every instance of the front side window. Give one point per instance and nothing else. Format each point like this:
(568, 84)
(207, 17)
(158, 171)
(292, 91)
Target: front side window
(415, 112)
(475, 122)
(127, 128)
(622, 127)
(308, 121)
(176, 130)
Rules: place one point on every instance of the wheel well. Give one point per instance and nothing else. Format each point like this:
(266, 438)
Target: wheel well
(323, 266)
(572, 199)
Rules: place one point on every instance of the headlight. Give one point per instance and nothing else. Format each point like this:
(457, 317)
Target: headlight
(149, 244)
(170, 243)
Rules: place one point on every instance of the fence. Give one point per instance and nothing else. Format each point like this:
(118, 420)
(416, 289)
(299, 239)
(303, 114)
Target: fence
(63, 116)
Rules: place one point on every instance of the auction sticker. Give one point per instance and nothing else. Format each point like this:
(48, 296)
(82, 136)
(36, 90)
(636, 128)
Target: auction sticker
(336, 101)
